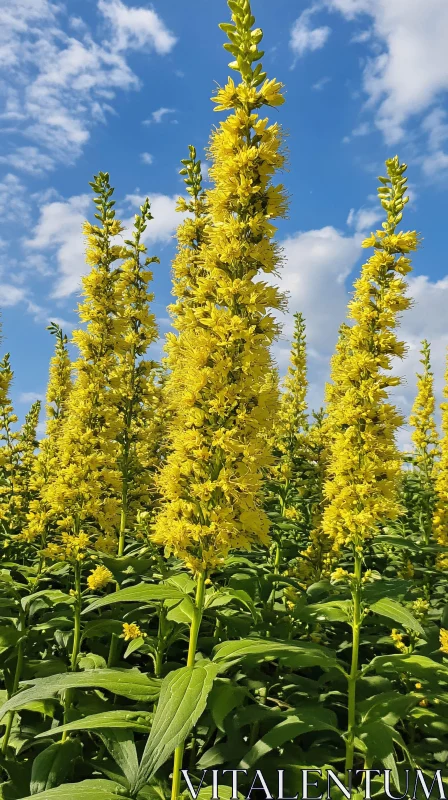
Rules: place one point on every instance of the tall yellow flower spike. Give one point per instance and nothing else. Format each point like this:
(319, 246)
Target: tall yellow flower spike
(17, 457)
(46, 465)
(426, 441)
(424, 435)
(83, 495)
(292, 417)
(440, 521)
(133, 394)
(364, 464)
(211, 482)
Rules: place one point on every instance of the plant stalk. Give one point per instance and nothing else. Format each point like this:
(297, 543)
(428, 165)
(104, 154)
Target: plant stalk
(194, 632)
(354, 673)
(76, 642)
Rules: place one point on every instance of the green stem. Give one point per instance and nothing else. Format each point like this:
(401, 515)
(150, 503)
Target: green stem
(124, 503)
(17, 676)
(354, 674)
(76, 642)
(194, 632)
(160, 643)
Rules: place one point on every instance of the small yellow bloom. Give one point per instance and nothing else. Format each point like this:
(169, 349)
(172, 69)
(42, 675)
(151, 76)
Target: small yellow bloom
(99, 578)
(418, 686)
(131, 631)
(397, 639)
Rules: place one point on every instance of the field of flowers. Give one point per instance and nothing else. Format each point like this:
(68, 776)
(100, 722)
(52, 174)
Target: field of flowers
(198, 573)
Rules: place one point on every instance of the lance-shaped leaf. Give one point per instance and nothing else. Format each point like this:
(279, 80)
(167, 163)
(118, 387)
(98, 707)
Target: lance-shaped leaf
(145, 593)
(396, 612)
(125, 682)
(183, 697)
(85, 790)
(130, 720)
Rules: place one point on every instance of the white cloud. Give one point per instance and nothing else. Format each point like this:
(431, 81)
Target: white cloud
(30, 397)
(28, 159)
(13, 200)
(59, 85)
(137, 28)
(10, 295)
(158, 115)
(60, 229)
(146, 158)
(411, 71)
(435, 161)
(304, 37)
(319, 85)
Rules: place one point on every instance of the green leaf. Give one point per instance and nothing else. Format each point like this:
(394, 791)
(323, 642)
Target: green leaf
(333, 611)
(145, 593)
(396, 612)
(377, 740)
(389, 707)
(223, 698)
(102, 627)
(311, 718)
(420, 667)
(9, 637)
(125, 682)
(299, 654)
(183, 696)
(53, 764)
(54, 596)
(131, 720)
(85, 790)
(120, 744)
(397, 541)
(386, 587)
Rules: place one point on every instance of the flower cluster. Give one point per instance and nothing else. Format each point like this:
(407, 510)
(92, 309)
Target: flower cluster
(364, 465)
(211, 482)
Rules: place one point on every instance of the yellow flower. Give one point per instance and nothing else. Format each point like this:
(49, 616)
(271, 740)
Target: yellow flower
(444, 641)
(339, 574)
(364, 468)
(99, 578)
(222, 405)
(397, 639)
(131, 631)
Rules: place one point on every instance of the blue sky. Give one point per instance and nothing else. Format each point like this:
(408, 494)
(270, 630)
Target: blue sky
(125, 86)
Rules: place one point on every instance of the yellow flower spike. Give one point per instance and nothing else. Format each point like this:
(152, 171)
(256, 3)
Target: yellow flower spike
(222, 405)
(364, 465)
(440, 472)
(17, 459)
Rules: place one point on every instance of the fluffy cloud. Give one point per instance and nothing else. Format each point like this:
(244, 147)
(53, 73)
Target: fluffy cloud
(158, 115)
(60, 85)
(59, 230)
(146, 158)
(13, 200)
(10, 295)
(136, 28)
(304, 37)
(411, 71)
